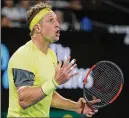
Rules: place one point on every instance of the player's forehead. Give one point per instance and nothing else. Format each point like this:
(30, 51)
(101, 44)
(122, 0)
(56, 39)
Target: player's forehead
(49, 15)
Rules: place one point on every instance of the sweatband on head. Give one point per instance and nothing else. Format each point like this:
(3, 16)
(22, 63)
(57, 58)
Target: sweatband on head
(38, 17)
(49, 86)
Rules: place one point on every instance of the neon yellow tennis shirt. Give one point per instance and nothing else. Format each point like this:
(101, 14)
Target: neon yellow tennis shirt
(28, 66)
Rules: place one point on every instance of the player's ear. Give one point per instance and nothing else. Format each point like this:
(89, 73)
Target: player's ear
(37, 28)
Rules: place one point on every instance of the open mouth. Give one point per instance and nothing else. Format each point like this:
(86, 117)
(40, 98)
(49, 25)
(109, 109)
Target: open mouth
(58, 33)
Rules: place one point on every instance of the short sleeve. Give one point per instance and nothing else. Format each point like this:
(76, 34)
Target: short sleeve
(22, 70)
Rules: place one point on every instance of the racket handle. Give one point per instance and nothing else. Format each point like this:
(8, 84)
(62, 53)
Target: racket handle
(82, 109)
(89, 105)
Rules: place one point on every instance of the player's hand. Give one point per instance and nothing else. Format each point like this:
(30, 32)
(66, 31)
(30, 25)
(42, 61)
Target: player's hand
(64, 72)
(82, 105)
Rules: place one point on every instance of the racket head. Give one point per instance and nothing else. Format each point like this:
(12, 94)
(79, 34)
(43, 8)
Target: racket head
(104, 81)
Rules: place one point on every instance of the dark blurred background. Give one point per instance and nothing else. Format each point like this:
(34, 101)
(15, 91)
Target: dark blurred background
(98, 28)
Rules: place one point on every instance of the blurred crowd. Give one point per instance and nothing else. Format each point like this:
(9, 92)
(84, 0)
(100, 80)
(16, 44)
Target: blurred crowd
(13, 13)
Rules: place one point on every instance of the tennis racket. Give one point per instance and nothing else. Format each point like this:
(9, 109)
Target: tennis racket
(104, 81)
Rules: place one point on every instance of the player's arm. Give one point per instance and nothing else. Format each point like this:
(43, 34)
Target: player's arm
(27, 94)
(22, 71)
(60, 102)
(81, 105)
(30, 95)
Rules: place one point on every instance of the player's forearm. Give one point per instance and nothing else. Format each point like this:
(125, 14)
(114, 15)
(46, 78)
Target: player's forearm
(29, 96)
(60, 102)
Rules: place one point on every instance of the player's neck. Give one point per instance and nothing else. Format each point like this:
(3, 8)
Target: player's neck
(41, 44)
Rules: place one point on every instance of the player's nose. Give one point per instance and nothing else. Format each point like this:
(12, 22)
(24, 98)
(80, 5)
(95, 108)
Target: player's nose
(57, 25)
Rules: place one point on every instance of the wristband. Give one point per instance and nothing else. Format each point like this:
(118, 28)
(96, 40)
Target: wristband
(49, 86)
(55, 83)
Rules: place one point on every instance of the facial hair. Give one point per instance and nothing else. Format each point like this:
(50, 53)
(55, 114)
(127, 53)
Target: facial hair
(50, 39)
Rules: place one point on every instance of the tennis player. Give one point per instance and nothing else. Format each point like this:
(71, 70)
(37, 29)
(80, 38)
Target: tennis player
(34, 73)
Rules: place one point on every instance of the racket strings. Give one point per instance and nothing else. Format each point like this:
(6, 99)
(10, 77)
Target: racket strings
(109, 84)
(108, 70)
(101, 83)
(111, 70)
(106, 85)
(107, 79)
(90, 95)
(99, 96)
(108, 74)
(106, 89)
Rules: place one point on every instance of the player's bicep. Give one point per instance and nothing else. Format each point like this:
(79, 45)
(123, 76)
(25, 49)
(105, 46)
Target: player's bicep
(23, 77)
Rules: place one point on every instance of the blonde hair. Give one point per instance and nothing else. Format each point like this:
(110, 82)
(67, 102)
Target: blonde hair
(31, 13)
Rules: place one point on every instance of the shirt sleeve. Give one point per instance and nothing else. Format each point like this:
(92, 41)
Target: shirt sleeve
(22, 70)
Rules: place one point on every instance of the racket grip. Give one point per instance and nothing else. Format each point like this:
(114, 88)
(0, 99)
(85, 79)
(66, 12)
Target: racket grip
(91, 107)
(82, 109)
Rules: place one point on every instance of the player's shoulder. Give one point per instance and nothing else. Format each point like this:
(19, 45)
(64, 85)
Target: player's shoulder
(22, 53)
(52, 52)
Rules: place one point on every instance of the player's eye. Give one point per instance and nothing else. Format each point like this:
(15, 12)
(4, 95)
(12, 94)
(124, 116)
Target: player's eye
(51, 20)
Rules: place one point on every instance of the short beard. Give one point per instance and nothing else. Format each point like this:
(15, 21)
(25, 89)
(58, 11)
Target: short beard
(50, 39)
